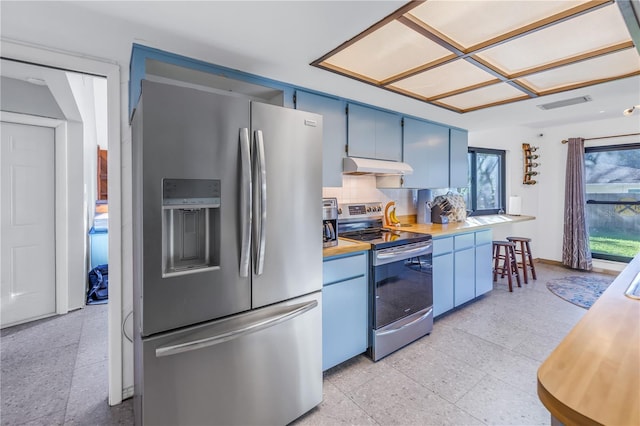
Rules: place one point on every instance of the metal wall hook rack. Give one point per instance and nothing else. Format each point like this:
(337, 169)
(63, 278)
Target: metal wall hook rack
(529, 163)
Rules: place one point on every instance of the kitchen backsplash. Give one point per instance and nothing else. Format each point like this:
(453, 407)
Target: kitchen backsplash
(362, 188)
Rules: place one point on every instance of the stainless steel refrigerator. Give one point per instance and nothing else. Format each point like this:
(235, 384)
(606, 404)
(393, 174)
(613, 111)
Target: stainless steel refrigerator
(227, 259)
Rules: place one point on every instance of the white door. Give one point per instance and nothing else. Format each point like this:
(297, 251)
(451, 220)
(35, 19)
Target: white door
(27, 237)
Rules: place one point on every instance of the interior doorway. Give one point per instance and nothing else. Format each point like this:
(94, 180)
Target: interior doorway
(72, 202)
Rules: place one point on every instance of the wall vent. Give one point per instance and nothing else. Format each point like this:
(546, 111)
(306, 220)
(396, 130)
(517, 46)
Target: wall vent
(566, 102)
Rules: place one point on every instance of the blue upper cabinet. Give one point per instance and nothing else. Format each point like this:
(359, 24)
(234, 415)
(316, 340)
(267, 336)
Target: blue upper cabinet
(458, 158)
(426, 149)
(334, 132)
(373, 133)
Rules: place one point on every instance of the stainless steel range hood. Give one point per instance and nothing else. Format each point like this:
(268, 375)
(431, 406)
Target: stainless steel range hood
(361, 166)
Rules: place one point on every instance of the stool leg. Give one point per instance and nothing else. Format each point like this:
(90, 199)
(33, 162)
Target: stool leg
(513, 252)
(530, 257)
(523, 257)
(496, 262)
(507, 267)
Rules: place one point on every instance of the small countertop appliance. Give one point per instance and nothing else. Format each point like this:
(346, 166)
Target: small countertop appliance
(329, 222)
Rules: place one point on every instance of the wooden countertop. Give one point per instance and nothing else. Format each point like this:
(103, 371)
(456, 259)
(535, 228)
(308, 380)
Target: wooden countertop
(473, 223)
(345, 246)
(593, 376)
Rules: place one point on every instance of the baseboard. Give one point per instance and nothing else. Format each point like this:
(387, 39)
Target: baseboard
(594, 269)
(127, 393)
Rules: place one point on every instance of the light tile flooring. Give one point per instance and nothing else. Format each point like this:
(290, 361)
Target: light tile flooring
(477, 367)
(54, 372)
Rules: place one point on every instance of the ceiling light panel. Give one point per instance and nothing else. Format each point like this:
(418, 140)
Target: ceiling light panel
(603, 68)
(443, 79)
(469, 23)
(589, 32)
(490, 95)
(386, 52)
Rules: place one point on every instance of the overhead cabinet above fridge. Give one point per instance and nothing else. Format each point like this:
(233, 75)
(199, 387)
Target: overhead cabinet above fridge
(227, 312)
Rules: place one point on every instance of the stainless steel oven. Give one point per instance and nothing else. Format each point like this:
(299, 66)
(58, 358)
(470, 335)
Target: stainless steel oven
(402, 291)
(400, 278)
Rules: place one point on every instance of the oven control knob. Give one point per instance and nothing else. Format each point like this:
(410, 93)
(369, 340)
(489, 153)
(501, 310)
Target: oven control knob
(368, 209)
(379, 208)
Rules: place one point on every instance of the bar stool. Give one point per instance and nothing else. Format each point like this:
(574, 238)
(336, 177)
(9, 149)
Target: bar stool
(506, 258)
(526, 258)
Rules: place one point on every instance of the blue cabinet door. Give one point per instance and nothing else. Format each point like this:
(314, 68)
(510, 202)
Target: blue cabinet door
(442, 284)
(484, 269)
(426, 149)
(458, 158)
(373, 133)
(465, 275)
(361, 131)
(388, 136)
(334, 132)
(344, 321)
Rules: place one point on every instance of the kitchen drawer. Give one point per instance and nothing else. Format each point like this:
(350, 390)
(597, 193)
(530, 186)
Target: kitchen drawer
(463, 241)
(484, 237)
(341, 268)
(442, 245)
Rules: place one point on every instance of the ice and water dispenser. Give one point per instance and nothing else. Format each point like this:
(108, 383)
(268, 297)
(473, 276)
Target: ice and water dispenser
(190, 226)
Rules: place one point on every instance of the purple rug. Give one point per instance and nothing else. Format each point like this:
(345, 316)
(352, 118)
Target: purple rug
(582, 291)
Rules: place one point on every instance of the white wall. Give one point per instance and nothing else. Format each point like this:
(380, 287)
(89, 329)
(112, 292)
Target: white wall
(545, 200)
(25, 98)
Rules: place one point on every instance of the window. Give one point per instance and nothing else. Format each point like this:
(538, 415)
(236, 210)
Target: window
(612, 175)
(485, 192)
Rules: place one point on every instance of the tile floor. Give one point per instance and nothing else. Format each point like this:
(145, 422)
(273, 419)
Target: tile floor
(54, 372)
(477, 367)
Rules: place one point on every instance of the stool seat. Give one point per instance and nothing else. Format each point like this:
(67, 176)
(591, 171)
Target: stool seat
(525, 263)
(504, 262)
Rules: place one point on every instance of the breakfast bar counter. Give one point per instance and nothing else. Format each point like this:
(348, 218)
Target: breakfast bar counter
(473, 223)
(593, 376)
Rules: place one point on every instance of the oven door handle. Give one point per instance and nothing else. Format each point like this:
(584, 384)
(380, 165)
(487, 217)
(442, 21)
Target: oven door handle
(399, 254)
(409, 324)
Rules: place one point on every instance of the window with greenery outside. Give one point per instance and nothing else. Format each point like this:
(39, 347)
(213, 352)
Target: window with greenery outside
(485, 192)
(612, 175)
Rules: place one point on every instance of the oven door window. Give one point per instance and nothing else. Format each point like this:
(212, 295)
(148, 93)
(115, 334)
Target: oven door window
(402, 288)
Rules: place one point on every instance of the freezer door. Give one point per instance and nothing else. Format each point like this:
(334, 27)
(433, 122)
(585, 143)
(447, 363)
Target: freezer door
(263, 367)
(182, 136)
(287, 182)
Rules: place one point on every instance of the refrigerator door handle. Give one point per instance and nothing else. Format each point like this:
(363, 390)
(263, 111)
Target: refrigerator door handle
(246, 208)
(262, 185)
(281, 314)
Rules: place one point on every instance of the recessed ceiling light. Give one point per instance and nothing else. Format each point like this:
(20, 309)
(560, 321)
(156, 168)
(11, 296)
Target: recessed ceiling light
(36, 81)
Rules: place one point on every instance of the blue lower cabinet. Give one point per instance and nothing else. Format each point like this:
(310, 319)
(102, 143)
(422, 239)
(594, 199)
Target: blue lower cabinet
(442, 283)
(464, 287)
(462, 269)
(484, 269)
(344, 308)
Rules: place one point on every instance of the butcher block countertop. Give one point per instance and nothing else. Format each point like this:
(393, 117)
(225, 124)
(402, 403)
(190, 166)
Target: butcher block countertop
(472, 223)
(344, 247)
(593, 376)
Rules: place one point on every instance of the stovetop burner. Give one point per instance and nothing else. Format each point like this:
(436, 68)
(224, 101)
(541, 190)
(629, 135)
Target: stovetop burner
(382, 237)
(363, 222)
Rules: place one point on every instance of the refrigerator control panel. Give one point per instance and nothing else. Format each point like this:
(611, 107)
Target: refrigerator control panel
(190, 192)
